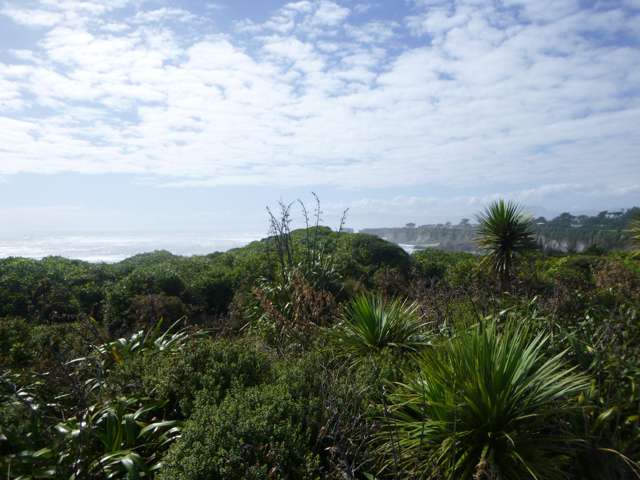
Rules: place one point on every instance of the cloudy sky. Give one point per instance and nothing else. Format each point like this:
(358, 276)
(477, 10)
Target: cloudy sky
(195, 114)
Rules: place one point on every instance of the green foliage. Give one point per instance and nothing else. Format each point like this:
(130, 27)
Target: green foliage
(575, 270)
(23, 424)
(50, 290)
(504, 233)
(93, 435)
(485, 404)
(172, 288)
(142, 341)
(16, 344)
(123, 438)
(312, 417)
(260, 432)
(144, 296)
(371, 324)
(206, 369)
(607, 344)
(319, 406)
(372, 253)
(634, 230)
(24, 345)
(437, 266)
(288, 312)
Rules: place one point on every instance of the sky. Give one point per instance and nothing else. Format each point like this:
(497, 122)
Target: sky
(195, 115)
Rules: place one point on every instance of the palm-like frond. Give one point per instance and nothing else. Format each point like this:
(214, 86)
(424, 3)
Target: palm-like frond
(504, 232)
(485, 405)
(372, 324)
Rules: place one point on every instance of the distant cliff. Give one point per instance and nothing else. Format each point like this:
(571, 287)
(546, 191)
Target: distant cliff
(565, 233)
(453, 238)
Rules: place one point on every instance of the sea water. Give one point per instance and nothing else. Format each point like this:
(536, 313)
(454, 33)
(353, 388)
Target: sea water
(114, 247)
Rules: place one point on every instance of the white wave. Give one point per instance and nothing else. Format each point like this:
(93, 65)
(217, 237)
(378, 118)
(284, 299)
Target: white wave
(116, 247)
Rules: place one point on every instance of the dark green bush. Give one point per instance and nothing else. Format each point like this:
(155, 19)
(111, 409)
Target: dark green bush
(51, 290)
(255, 433)
(371, 253)
(575, 271)
(607, 344)
(436, 265)
(16, 342)
(205, 368)
(214, 290)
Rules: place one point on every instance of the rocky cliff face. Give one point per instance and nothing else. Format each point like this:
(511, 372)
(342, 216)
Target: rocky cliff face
(562, 244)
(461, 237)
(454, 238)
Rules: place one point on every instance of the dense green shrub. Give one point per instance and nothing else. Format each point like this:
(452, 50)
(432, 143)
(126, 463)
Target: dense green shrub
(153, 291)
(51, 290)
(607, 344)
(313, 417)
(574, 271)
(255, 433)
(310, 407)
(23, 345)
(25, 426)
(207, 369)
(173, 288)
(372, 253)
(345, 400)
(437, 265)
(16, 343)
(214, 290)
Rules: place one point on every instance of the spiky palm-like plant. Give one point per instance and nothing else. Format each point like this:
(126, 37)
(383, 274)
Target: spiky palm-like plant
(485, 405)
(372, 324)
(504, 232)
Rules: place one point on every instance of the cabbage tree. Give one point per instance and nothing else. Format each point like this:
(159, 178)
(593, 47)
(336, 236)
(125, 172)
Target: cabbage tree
(504, 233)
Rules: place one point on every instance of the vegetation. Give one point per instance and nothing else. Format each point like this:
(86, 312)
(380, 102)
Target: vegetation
(504, 233)
(324, 354)
(371, 324)
(635, 232)
(606, 231)
(486, 404)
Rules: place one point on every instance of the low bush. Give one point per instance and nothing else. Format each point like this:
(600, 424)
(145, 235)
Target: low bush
(205, 368)
(16, 342)
(255, 433)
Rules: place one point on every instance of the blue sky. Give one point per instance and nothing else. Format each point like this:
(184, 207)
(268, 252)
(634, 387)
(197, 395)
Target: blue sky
(196, 114)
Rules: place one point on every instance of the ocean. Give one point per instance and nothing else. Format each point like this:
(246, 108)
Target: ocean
(114, 247)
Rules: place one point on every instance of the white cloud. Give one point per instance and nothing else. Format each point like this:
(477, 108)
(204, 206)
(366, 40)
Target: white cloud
(32, 18)
(162, 15)
(372, 32)
(548, 200)
(311, 96)
(303, 6)
(22, 54)
(329, 13)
